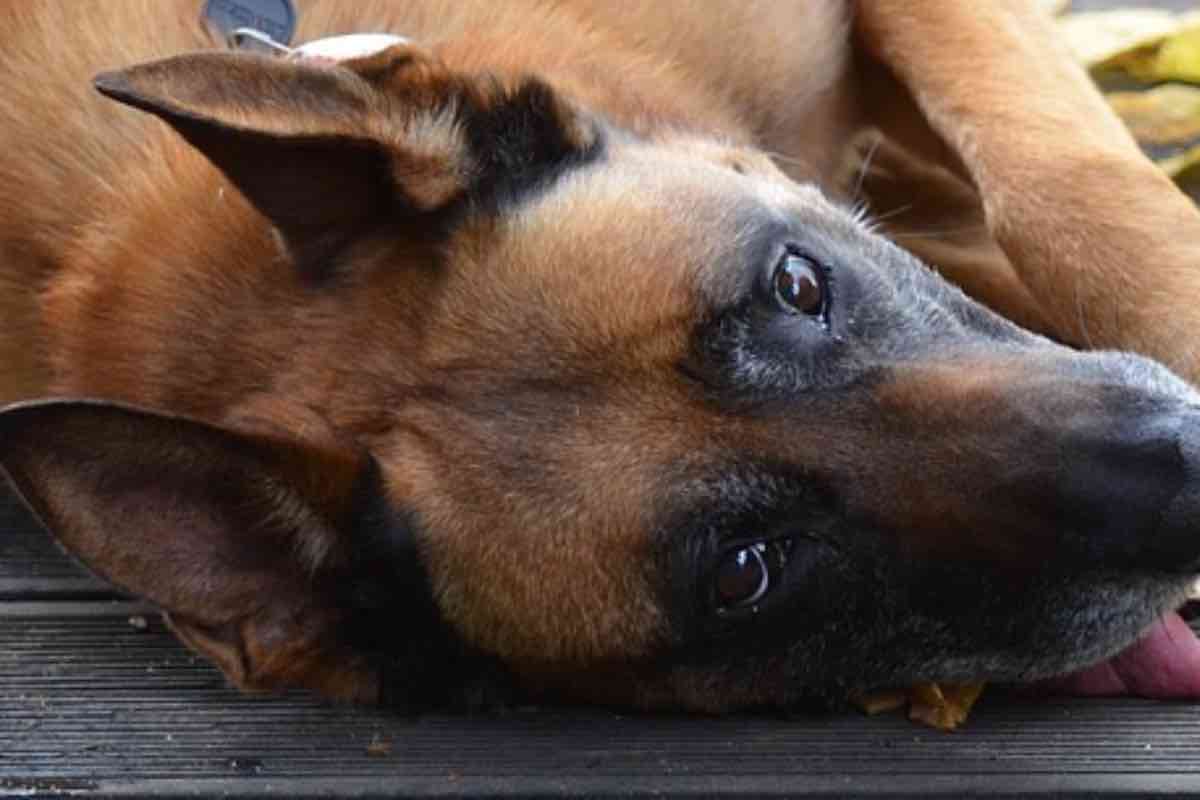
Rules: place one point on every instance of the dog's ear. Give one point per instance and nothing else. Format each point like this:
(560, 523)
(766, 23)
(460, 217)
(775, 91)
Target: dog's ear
(280, 561)
(325, 150)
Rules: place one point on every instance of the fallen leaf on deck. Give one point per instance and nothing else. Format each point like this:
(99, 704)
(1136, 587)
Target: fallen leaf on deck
(1165, 121)
(379, 747)
(1178, 57)
(1185, 167)
(1109, 38)
(879, 702)
(944, 707)
(941, 706)
(1149, 44)
(1165, 116)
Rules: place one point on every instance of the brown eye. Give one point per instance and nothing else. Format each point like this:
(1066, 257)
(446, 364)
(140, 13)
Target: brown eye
(799, 286)
(742, 577)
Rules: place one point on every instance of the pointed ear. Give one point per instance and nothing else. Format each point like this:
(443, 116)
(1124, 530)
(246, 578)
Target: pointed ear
(280, 562)
(294, 139)
(325, 150)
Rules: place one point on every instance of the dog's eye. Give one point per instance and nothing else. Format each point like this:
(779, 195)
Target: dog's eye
(799, 285)
(742, 577)
(745, 574)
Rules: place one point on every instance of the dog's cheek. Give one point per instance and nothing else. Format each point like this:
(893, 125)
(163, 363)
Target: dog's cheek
(538, 536)
(541, 599)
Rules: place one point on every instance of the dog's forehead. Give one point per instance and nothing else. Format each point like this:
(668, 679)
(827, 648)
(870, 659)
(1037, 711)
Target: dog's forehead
(659, 230)
(641, 206)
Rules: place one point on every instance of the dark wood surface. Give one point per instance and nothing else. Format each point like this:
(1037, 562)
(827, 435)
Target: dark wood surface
(97, 699)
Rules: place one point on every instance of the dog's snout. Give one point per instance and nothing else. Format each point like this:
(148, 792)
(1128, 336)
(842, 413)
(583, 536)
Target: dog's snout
(1122, 488)
(1128, 489)
(1176, 543)
(1071, 461)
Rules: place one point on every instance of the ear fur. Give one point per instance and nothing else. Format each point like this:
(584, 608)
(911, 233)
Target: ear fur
(294, 139)
(326, 151)
(281, 562)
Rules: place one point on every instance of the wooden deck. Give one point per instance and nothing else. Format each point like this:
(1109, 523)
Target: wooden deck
(97, 699)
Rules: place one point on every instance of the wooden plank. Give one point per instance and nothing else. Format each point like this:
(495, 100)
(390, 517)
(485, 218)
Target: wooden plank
(104, 706)
(33, 567)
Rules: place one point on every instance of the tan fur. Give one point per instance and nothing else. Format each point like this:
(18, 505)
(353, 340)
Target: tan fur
(1116, 266)
(105, 293)
(48, 159)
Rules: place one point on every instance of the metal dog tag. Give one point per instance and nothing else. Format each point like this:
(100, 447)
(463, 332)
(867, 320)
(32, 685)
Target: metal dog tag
(274, 18)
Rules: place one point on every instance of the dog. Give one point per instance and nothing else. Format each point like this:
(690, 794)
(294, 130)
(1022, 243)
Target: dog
(587, 350)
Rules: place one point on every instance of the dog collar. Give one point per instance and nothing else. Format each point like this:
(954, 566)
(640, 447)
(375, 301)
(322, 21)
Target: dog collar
(351, 45)
(268, 25)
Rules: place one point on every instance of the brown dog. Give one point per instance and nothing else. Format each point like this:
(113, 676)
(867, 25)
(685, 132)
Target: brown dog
(545, 349)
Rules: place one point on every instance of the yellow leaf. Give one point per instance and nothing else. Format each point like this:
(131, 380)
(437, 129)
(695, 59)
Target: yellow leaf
(1166, 122)
(941, 706)
(1104, 38)
(1185, 167)
(1178, 57)
(879, 702)
(1165, 119)
(1150, 44)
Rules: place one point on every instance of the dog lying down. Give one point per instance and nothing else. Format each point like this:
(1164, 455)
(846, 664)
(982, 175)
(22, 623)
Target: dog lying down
(544, 353)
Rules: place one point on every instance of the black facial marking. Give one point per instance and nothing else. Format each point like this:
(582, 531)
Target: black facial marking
(518, 148)
(522, 144)
(851, 611)
(395, 619)
(743, 504)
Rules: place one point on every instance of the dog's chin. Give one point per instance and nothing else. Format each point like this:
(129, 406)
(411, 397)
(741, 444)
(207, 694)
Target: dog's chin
(1164, 664)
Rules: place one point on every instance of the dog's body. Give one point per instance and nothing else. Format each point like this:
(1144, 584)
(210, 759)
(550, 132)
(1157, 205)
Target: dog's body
(484, 371)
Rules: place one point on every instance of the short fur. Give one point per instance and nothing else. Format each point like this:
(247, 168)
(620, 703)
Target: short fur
(460, 364)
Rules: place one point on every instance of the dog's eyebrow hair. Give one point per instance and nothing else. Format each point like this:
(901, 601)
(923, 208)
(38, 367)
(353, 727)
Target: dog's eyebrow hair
(728, 275)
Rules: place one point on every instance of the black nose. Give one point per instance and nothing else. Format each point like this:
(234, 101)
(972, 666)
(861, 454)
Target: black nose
(1135, 488)
(1177, 542)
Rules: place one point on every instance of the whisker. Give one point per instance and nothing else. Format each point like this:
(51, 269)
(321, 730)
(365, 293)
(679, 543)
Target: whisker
(934, 233)
(799, 162)
(1087, 336)
(866, 165)
(860, 212)
(875, 222)
(1117, 330)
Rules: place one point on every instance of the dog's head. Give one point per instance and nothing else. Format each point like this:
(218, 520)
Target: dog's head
(510, 385)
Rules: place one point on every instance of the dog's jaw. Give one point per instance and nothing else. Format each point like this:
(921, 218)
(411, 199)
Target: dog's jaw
(1164, 665)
